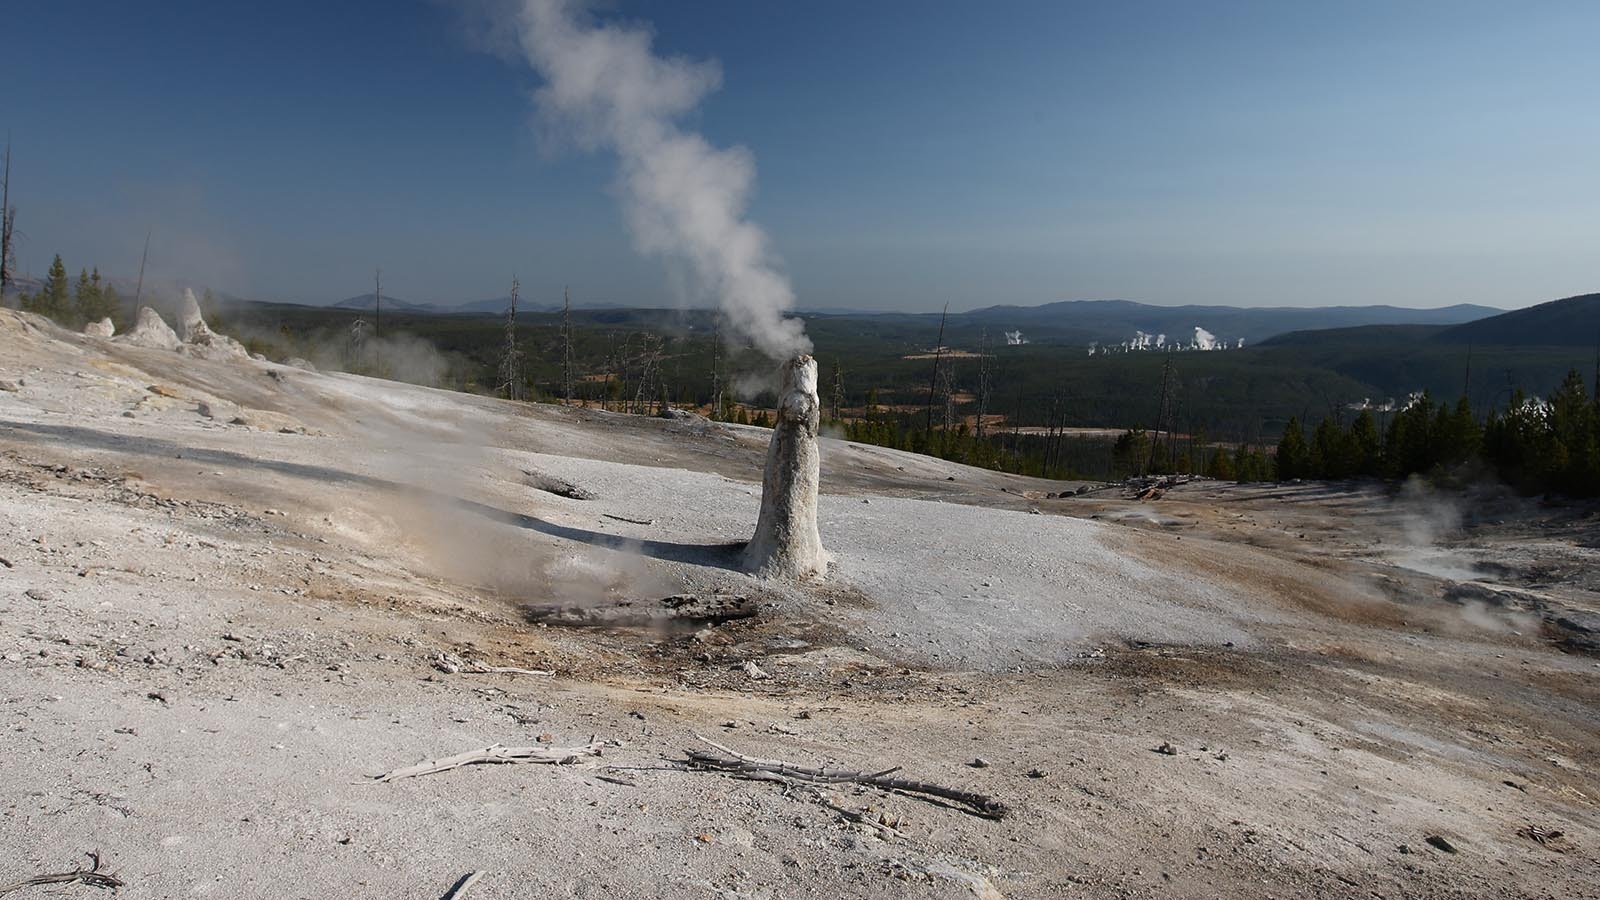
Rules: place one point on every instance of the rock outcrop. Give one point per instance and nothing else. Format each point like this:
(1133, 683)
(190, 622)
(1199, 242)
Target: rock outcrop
(150, 330)
(102, 329)
(198, 338)
(786, 543)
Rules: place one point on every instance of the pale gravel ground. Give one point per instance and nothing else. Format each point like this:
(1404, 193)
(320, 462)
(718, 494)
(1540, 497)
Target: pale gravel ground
(284, 592)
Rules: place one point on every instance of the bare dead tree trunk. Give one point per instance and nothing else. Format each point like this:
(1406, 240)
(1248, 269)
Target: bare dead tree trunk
(985, 381)
(566, 346)
(511, 357)
(838, 391)
(377, 319)
(8, 225)
(716, 375)
(933, 379)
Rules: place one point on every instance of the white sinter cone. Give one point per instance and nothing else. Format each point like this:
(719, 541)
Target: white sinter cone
(786, 542)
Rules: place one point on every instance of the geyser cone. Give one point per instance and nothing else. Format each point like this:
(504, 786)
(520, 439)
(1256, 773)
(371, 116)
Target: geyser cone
(786, 542)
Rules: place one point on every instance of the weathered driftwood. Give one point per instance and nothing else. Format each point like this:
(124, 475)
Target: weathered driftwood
(499, 753)
(460, 888)
(764, 769)
(91, 876)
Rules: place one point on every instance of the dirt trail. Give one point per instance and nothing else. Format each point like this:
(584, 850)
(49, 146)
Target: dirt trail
(215, 624)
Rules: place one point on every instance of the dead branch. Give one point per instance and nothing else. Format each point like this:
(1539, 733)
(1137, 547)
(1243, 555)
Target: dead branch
(551, 484)
(460, 888)
(498, 753)
(883, 829)
(628, 520)
(91, 876)
(750, 767)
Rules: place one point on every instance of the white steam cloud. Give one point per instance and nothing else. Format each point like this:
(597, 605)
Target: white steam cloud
(683, 198)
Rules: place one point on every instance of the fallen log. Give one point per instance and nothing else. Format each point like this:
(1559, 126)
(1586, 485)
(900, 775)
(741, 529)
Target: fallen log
(743, 766)
(499, 753)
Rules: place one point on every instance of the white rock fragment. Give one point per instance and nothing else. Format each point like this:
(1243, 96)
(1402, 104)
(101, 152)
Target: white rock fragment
(101, 329)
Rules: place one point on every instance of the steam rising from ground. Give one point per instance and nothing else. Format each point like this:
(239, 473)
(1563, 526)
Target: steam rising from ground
(684, 198)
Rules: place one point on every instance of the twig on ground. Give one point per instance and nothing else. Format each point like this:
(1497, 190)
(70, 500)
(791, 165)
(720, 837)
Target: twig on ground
(859, 818)
(772, 770)
(498, 753)
(628, 520)
(461, 887)
(91, 876)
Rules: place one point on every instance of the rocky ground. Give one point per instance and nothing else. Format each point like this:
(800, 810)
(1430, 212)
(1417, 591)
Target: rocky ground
(231, 592)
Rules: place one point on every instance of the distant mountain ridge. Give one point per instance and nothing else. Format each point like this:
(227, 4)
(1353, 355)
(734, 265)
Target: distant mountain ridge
(1118, 319)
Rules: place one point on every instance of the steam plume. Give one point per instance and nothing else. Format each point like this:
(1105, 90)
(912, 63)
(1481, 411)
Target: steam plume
(683, 198)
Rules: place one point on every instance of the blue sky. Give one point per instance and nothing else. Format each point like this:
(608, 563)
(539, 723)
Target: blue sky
(909, 154)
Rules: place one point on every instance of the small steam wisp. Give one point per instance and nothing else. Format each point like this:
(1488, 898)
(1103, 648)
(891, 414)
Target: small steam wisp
(684, 199)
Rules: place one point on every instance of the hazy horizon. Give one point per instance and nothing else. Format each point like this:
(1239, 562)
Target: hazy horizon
(1233, 155)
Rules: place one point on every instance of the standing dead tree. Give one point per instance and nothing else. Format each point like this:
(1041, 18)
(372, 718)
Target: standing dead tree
(511, 386)
(985, 381)
(566, 346)
(716, 372)
(1164, 416)
(377, 320)
(947, 389)
(8, 227)
(836, 401)
(647, 388)
(933, 379)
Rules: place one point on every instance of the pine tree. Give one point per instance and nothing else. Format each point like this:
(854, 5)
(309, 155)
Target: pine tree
(113, 303)
(53, 300)
(88, 299)
(1365, 446)
(1294, 456)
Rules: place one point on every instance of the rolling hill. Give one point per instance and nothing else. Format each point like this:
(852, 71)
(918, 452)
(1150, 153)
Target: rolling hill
(1569, 322)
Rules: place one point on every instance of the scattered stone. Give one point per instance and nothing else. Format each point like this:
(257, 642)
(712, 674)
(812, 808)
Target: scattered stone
(158, 696)
(1166, 749)
(101, 329)
(1038, 773)
(754, 671)
(979, 763)
(9, 386)
(1440, 843)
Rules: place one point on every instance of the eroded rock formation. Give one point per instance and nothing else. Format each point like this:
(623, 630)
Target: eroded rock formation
(150, 330)
(786, 543)
(198, 338)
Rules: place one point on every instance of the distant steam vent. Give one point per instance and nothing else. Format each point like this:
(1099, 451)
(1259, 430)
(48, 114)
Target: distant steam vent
(1203, 340)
